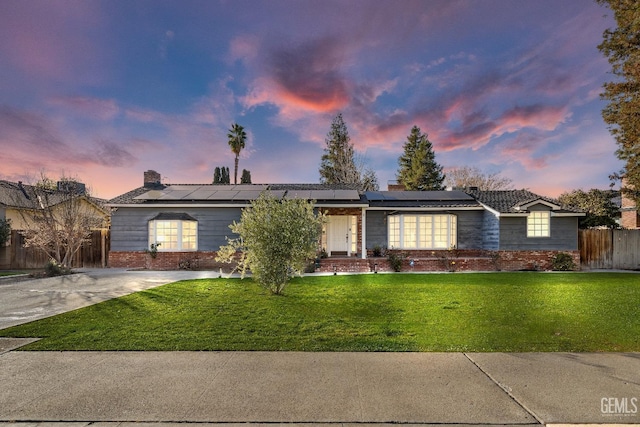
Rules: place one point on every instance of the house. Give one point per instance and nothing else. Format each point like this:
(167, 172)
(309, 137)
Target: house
(474, 230)
(22, 204)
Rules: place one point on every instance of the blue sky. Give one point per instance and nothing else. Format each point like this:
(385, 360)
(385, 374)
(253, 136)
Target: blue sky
(104, 90)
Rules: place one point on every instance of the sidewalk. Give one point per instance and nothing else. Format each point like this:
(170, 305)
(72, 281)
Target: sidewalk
(341, 388)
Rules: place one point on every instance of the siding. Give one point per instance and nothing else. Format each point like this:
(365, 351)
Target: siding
(469, 228)
(130, 226)
(491, 231)
(564, 235)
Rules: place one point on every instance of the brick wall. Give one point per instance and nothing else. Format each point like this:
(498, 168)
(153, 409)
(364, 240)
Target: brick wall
(474, 260)
(202, 260)
(457, 260)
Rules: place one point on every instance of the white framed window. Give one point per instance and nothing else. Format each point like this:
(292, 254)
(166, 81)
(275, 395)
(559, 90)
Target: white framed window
(539, 224)
(422, 231)
(174, 235)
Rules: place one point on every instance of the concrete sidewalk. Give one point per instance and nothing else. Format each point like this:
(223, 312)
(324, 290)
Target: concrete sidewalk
(341, 388)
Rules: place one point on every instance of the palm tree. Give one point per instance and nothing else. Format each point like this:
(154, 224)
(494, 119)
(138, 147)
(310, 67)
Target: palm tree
(237, 137)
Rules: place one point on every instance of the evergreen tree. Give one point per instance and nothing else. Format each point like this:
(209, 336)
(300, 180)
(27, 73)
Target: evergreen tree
(221, 175)
(246, 177)
(339, 164)
(418, 169)
(224, 176)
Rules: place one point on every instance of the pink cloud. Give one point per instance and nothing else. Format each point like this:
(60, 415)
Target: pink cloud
(52, 41)
(101, 109)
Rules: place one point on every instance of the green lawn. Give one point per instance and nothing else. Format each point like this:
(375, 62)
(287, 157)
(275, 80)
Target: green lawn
(386, 312)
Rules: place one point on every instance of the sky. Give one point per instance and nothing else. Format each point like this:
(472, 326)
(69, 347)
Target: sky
(104, 90)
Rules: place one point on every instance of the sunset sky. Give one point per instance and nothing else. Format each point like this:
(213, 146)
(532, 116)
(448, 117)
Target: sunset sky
(104, 90)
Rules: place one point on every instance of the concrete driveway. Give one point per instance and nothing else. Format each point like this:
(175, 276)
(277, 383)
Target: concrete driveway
(26, 301)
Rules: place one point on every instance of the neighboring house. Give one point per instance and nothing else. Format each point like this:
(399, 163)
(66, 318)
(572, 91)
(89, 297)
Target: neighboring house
(481, 230)
(18, 203)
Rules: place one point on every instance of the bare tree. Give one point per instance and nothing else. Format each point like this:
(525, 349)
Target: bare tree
(57, 218)
(468, 176)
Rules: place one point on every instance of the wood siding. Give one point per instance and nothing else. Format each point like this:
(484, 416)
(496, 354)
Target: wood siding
(130, 226)
(564, 235)
(469, 228)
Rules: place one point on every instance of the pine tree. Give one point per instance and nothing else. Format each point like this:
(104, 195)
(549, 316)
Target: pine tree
(339, 164)
(246, 177)
(418, 169)
(621, 46)
(221, 175)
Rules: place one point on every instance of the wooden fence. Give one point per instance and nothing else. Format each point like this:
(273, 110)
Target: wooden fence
(93, 253)
(610, 249)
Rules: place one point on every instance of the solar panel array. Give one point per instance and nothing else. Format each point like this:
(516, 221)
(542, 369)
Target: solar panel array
(241, 193)
(386, 196)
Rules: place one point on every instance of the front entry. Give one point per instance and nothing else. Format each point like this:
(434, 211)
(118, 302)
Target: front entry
(340, 237)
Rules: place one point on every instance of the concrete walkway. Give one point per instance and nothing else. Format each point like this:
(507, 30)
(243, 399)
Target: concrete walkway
(235, 388)
(26, 301)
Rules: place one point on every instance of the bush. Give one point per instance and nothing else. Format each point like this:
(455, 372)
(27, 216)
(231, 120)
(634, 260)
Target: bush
(53, 268)
(277, 237)
(395, 261)
(563, 262)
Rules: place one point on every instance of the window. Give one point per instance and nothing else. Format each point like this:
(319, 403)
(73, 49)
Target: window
(539, 224)
(174, 232)
(422, 231)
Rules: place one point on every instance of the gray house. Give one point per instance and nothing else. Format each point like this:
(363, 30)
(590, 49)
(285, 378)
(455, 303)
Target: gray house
(190, 223)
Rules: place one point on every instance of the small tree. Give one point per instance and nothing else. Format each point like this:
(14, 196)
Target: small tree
(246, 177)
(466, 176)
(277, 238)
(5, 231)
(59, 219)
(598, 205)
(418, 169)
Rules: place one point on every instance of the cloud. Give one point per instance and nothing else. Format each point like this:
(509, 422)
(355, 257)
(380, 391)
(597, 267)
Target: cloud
(163, 46)
(310, 75)
(53, 42)
(101, 109)
(108, 153)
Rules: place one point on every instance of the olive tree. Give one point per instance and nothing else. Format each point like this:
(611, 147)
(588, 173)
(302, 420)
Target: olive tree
(277, 238)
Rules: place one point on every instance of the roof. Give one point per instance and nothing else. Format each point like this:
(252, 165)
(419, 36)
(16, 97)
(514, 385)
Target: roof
(506, 201)
(23, 196)
(422, 199)
(235, 194)
(516, 201)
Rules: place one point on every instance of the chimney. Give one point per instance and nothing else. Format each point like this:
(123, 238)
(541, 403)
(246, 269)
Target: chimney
(152, 179)
(395, 186)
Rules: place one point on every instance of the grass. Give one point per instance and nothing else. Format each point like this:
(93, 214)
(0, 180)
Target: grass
(9, 273)
(517, 312)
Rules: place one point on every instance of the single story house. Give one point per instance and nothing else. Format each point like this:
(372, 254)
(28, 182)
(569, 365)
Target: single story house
(23, 204)
(433, 230)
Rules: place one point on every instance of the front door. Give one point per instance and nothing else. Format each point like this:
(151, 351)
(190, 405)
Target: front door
(339, 235)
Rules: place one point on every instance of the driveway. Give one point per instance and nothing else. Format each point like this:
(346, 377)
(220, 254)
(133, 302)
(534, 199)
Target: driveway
(26, 301)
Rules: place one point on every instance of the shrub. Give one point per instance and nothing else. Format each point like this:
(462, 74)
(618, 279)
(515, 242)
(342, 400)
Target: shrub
(53, 268)
(563, 262)
(396, 260)
(377, 251)
(5, 231)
